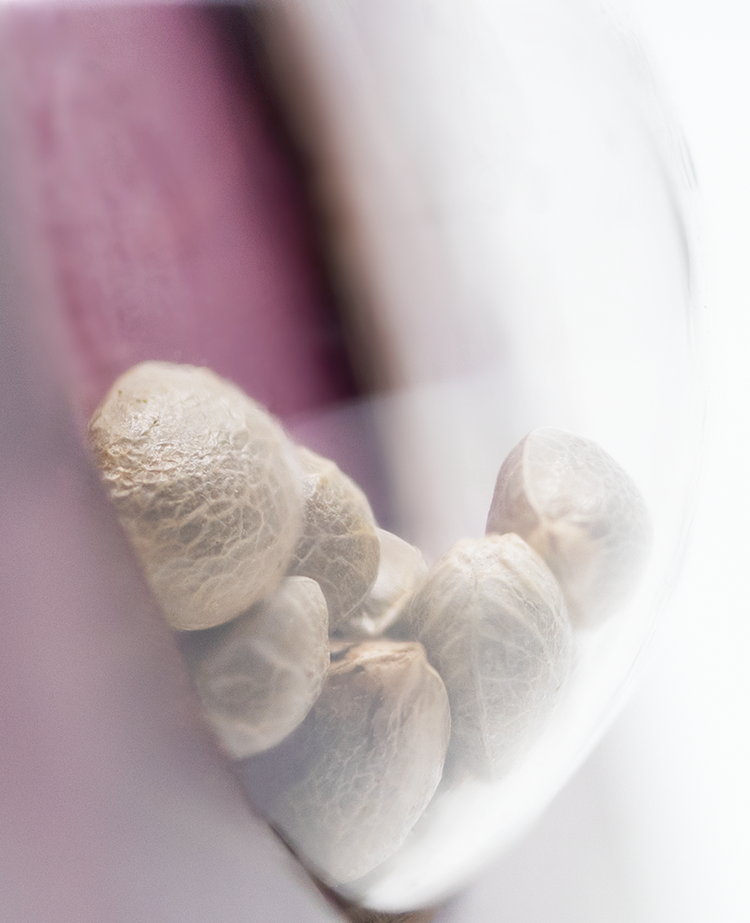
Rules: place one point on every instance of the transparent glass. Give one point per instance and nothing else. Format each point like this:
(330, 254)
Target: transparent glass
(512, 211)
(503, 211)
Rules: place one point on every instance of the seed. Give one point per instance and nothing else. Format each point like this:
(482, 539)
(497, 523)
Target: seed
(338, 547)
(581, 512)
(402, 569)
(367, 760)
(259, 675)
(205, 483)
(492, 620)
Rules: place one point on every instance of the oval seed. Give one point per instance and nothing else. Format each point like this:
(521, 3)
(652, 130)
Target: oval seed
(205, 483)
(402, 569)
(338, 547)
(259, 675)
(363, 765)
(492, 620)
(581, 512)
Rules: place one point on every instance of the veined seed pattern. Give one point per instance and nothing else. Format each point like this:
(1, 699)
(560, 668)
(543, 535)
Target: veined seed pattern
(223, 510)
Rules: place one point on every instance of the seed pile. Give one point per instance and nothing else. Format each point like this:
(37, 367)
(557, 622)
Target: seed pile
(324, 650)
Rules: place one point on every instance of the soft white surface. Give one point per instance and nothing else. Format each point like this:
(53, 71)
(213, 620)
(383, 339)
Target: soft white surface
(656, 827)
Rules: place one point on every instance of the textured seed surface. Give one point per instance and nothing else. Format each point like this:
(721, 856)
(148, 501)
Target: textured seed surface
(576, 506)
(370, 757)
(259, 675)
(402, 569)
(206, 484)
(492, 620)
(339, 547)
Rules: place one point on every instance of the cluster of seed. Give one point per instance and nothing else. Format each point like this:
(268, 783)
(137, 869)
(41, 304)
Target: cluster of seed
(322, 647)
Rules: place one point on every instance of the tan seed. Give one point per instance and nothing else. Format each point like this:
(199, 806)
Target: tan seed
(581, 512)
(259, 675)
(338, 547)
(493, 622)
(368, 759)
(205, 483)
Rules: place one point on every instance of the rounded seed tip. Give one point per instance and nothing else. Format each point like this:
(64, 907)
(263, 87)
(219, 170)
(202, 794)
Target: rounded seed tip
(576, 506)
(493, 622)
(373, 748)
(259, 675)
(205, 483)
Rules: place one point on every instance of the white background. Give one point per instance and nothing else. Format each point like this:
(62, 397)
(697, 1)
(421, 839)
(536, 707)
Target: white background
(656, 826)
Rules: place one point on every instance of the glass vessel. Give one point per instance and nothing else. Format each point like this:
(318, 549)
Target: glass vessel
(488, 215)
(511, 208)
